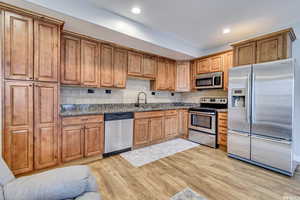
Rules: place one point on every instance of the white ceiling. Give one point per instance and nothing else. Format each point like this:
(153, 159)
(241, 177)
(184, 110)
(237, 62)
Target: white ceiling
(179, 29)
(200, 22)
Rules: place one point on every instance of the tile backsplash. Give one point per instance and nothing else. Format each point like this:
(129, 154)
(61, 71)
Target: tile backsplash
(77, 95)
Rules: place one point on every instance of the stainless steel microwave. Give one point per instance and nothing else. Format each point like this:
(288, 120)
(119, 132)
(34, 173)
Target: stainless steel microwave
(209, 81)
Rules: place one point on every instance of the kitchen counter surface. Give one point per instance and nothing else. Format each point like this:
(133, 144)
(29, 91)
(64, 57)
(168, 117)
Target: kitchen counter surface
(67, 110)
(222, 110)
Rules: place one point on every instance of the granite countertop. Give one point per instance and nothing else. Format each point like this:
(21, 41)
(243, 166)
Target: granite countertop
(67, 110)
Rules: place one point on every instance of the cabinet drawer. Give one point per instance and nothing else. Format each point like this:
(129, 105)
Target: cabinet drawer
(171, 112)
(222, 116)
(222, 139)
(222, 130)
(82, 119)
(140, 115)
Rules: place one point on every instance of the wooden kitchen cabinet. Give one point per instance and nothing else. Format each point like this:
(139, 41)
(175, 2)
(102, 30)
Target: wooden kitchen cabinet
(107, 66)
(82, 136)
(120, 68)
(265, 48)
(89, 63)
(203, 66)
(216, 63)
(228, 64)
(245, 54)
(183, 83)
(183, 123)
(72, 143)
(46, 132)
(171, 74)
(165, 78)
(70, 60)
(171, 124)
(222, 130)
(18, 46)
(46, 51)
(156, 129)
(149, 66)
(135, 61)
(93, 139)
(18, 126)
(141, 132)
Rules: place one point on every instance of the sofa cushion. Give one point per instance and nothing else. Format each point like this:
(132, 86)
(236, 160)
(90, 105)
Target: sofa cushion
(62, 183)
(6, 175)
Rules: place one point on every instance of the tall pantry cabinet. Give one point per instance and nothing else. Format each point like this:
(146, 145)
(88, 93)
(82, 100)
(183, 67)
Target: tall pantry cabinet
(30, 75)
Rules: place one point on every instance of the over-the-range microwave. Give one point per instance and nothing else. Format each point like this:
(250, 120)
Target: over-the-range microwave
(209, 81)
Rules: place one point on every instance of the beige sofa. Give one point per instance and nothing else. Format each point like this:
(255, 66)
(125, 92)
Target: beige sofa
(74, 182)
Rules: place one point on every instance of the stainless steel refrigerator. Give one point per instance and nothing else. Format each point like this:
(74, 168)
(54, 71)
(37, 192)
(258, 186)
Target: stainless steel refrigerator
(261, 115)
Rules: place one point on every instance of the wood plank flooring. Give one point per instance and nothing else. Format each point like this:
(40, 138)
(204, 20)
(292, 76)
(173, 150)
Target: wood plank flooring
(207, 171)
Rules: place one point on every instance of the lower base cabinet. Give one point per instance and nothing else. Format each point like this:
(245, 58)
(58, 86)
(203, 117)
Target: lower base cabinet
(222, 129)
(154, 127)
(82, 137)
(183, 122)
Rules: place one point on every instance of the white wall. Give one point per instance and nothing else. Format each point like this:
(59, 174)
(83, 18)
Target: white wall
(77, 95)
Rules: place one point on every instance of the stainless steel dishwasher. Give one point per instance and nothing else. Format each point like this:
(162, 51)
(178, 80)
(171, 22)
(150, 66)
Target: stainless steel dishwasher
(118, 133)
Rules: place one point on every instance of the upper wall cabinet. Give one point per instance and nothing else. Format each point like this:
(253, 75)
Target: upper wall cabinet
(120, 68)
(31, 48)
(70, 60)
(107, 66)
(141, 66)
(183, 77)
(266, 48)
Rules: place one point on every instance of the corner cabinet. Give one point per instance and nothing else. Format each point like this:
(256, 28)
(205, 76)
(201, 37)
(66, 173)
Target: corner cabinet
(31, 48)
(266, 48)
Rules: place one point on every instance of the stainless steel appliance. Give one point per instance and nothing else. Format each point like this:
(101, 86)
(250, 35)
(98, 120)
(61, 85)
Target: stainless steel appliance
(209, 81)
(203, 121)
(260, 114)
(118, 132)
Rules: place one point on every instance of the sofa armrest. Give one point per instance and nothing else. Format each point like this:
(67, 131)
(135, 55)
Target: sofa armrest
(62, 183)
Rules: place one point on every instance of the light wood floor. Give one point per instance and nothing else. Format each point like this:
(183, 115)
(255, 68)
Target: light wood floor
(207, 171)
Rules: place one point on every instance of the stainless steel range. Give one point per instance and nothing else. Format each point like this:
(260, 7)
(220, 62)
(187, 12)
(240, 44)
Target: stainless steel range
(203, 120)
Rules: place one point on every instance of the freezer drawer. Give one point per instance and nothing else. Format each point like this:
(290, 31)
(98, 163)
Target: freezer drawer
(239, 144)
(274, 153)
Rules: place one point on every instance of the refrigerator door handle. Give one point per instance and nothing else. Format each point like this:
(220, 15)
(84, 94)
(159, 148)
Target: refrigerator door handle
(238, 133)
(272, 140)
(248, 112)
(253, 98)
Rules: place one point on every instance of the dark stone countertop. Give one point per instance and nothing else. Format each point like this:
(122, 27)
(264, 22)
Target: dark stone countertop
(67, 110)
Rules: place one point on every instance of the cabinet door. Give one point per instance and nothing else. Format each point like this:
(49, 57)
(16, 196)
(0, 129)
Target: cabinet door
(141, 132)
(72, 142)
(18, 127)
(170, 75)
(149, 66)
(107, 66)
(269, 49)
(183, 77)
(93, 139)
(89, 64)
(216, 63)
(244, 54)
(135, 61)
(46, 131)
(120, 68)
(70, 60)
(156, 128)
(193, 75)
(46, 51)
(228, 63)
(171, 127)
(18, 46)
(183, 123)
(161, 82)
(203, 66)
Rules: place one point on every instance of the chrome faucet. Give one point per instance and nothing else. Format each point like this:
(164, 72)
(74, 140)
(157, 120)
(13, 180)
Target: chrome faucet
(138, 98)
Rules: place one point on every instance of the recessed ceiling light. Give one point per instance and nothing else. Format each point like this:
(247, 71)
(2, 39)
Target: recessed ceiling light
(226, 30)
(136, 10)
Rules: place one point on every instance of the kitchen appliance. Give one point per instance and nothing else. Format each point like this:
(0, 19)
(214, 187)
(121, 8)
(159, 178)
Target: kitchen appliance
(118, 132)
(203, 120)
(209, 81)
(261, 114)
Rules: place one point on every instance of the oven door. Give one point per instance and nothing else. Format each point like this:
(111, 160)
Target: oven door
(203, 121)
